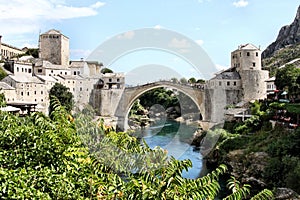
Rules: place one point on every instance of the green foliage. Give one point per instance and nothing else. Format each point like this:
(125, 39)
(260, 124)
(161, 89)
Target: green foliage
(159, 96)
(286, 78)
(34, 52)
(106, 70)
(192, 80)
(63, 95)
(3, 74)
(201, 81)
(2, 100)
(66, 158)
(283, 168)
(183, 80)
(281, 57)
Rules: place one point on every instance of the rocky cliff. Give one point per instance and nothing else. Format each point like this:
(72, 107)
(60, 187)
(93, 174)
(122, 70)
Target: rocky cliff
(288, 35)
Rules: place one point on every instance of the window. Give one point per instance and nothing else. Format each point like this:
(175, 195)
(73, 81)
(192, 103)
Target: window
(74, 73)
(42, 100)
(41, 92)
(220, 83)
(34, 92)
(256, 54)
(26, 70)
(81, 89)
(248, 53)
(240, 54)
(118, 80)
(27, 93)
(228, 83)
(34, 99)
(22, 69)
(17, 69)
(21, 93)
(253, 64)
(110, 80)
(51, 71)
(29, 70)
(78, 72)
(234, 83)
(40, 70)
(65, 73)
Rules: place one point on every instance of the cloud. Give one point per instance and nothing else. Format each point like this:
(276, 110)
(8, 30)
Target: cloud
(24, 16)
(240, 3)
(199, 42)
(77, 54)
(127, 35)
(201, 1)
(158, 27)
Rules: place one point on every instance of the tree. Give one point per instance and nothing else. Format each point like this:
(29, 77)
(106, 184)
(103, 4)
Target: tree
(192, 80)
(106, 70)
(286, 78)
(2, 99)
(201, 81)
(174, 80)
(63, 94)
(183, 80)
(34, 52)
(3, 74)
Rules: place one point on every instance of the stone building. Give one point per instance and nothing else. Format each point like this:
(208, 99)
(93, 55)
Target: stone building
(54, 47)
(8, 51)
(245, 76)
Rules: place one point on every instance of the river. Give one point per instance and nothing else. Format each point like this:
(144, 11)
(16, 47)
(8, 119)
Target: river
(175, 138)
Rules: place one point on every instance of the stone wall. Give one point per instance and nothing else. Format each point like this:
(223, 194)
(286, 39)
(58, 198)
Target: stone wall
(253, 84)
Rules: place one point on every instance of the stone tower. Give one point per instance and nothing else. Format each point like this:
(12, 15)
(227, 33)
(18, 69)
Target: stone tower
(247, 62)
(54, 47)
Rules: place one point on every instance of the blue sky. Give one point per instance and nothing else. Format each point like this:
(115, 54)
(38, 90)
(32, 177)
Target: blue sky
(219, 26)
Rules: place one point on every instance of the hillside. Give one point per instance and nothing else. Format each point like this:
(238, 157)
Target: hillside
(288, 54)
(288, 35)
(285, 48)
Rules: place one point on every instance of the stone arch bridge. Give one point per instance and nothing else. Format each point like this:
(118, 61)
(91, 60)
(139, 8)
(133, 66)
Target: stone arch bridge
(118, 102)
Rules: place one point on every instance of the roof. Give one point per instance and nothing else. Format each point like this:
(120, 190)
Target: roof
(26, 58)
(235, 111)
(46, 78)
(228, 76)
(248, 47)
(70, 77)
(49, 65)
(9, 109)
(25, 79)
(5, 86)
(77, 64)
(53, 32)
(272, 79)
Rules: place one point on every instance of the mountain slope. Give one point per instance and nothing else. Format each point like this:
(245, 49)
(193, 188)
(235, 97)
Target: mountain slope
(288, 35)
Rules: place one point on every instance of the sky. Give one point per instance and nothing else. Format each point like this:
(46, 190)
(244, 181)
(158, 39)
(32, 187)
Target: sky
(217, 26)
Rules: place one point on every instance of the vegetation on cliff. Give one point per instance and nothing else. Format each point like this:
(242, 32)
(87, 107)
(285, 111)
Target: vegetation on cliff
(257, 153)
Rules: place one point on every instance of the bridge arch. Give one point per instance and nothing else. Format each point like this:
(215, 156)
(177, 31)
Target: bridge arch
(131, 94)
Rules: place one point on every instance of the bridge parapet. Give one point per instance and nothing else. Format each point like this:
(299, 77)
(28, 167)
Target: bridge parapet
(170, 83)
